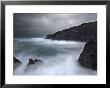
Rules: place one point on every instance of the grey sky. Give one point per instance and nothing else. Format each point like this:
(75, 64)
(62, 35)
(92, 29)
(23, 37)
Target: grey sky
(35, 24)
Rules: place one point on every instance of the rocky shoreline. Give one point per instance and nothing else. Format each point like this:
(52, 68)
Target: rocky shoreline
(86, 32)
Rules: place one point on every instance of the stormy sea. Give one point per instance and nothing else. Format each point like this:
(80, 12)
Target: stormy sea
(59, 57)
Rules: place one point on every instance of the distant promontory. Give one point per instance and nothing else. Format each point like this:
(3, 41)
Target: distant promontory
(82, 32)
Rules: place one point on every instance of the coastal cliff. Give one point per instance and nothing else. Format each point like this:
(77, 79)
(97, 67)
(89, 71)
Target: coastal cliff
(88, 58)
(82, 33)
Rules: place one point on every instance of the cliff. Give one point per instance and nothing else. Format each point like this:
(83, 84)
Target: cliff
(82, 32)
(88, 58)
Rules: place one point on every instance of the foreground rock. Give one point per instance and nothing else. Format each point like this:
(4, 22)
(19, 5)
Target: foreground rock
(88, 58)
(82, 32)
(16, 62)
(32, 62)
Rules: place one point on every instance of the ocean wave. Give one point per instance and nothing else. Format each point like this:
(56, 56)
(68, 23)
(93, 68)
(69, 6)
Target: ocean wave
(49, 41)
(60, 57)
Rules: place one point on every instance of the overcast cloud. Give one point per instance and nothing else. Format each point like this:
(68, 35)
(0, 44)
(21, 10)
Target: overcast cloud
(36, 24)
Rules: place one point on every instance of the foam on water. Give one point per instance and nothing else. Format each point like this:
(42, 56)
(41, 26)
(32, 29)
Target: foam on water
(60, 57)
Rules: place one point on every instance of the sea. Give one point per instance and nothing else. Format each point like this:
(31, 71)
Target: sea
(59, 57)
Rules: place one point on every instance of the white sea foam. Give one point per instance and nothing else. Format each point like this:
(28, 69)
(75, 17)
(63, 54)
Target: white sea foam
(49, 41)
(60, 57)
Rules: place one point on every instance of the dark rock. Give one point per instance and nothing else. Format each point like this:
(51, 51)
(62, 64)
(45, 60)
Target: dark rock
(16, 60)
(82, 32)
(33, 64)
(16, 63)
(31, 61)
(37, 60)
(88, 57)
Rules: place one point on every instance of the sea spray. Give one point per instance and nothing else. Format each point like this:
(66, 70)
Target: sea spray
(60, 57)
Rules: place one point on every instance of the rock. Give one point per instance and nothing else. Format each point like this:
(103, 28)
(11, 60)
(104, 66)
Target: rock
(16, 63)
(16, 60)
(31, 61)
(33, 64)
(88, 57)
(82, 32)
(38, 60)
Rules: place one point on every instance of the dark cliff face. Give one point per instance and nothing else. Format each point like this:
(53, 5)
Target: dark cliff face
(88, 58)
(82, 32)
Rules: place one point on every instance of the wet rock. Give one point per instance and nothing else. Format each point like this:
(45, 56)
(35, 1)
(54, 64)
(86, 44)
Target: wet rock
(16, 63)
(88, 57)
(38, 60)
(31, 61)
(33, 64)
(16, 60)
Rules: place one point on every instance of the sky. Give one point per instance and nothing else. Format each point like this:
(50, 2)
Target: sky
(42, 24)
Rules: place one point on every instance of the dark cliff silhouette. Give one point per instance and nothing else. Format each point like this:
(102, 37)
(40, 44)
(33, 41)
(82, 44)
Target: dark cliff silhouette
(88, 58)
(82, 32)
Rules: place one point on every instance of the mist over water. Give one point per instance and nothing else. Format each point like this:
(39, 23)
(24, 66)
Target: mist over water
(59, 57)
